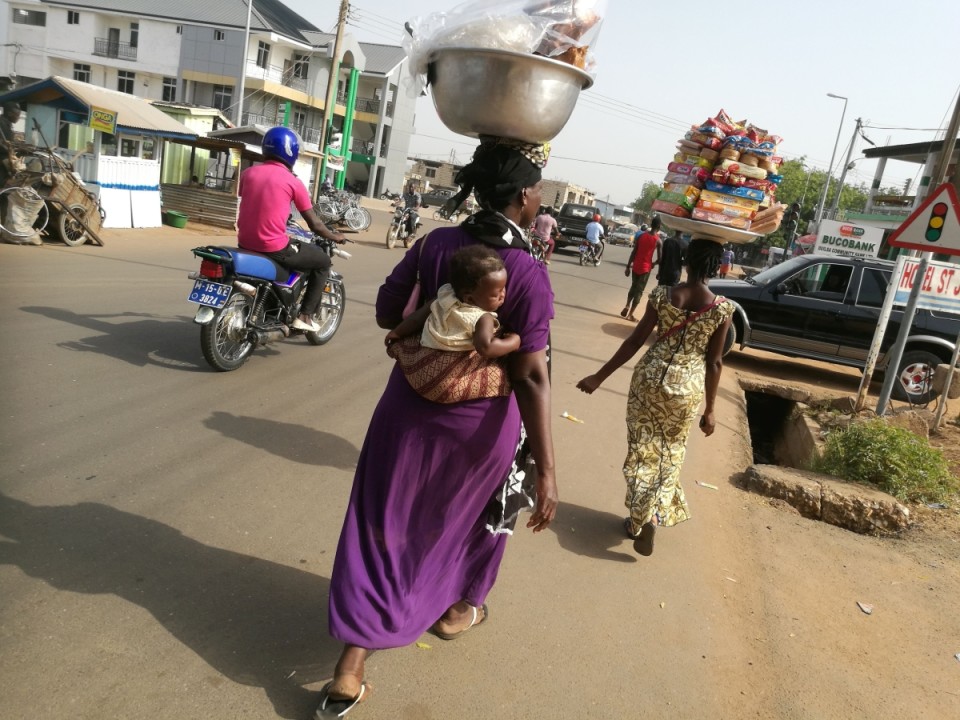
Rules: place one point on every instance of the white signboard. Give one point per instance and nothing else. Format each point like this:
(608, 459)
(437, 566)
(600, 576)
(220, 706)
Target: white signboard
(845, 238)
(939, 287)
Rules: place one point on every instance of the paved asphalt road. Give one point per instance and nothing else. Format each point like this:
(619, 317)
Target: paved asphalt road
(167, 532)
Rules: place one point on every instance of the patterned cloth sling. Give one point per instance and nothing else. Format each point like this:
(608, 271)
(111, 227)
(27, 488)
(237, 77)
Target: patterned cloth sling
(448, 376)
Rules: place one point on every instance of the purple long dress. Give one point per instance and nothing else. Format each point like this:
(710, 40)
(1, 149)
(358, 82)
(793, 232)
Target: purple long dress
(414, 540)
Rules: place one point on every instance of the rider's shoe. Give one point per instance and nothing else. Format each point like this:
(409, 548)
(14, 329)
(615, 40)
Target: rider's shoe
(299, 324)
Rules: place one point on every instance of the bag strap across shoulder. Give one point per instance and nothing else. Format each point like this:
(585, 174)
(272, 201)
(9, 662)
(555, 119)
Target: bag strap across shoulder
(690, 318)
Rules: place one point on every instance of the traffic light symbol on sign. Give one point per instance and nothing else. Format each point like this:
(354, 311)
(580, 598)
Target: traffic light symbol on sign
(938, 216)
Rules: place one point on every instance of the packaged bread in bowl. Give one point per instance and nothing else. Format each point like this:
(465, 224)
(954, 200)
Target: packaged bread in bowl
(562, 30)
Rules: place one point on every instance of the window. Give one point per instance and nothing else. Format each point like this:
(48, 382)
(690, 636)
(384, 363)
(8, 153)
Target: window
(301, 66)
(169, 89)
(824, 281)
(29, 17)
(149, 149)
(108, 145)
(873, 288)
(263, 54)
(218, 35)
(129, 147)
(430, 172)
(222, 96)
(134, 34)
(179, 29)
(125, 80)
(73, 17)
(81, 72)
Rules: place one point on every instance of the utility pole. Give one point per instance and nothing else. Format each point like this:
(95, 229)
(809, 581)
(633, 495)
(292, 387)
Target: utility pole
(243, 66)
(330, 103)
(846, 166)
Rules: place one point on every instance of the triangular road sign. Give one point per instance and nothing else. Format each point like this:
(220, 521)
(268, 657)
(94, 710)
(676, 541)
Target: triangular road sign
(934, 226)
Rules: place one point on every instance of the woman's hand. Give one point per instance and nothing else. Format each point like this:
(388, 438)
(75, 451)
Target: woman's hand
(707, 423)
(391, 338)
(589, 384)
(546, 507)
(626, 271)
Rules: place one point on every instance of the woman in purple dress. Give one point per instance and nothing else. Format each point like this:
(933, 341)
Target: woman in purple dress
(416, 552)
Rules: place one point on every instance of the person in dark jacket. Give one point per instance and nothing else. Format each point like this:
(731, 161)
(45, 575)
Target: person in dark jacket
(671, 260)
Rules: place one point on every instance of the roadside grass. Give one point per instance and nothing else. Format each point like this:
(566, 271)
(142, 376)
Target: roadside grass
(890, 458)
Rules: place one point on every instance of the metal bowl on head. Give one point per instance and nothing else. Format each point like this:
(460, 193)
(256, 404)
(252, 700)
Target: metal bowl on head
(509, 94)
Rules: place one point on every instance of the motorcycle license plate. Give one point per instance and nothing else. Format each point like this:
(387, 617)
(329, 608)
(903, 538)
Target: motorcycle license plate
(209, 293)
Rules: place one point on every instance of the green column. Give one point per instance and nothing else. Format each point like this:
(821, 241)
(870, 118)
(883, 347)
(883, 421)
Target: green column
(348, 126)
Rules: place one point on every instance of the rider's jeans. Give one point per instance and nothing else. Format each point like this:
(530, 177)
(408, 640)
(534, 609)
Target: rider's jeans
(310, 260)
(412, 219)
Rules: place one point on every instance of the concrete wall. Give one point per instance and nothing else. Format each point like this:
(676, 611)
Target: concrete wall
(200, 53)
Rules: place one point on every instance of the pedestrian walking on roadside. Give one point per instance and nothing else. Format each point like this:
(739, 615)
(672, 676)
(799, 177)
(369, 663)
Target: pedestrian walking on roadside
(679, 370)
(643, 258)
(671, 259)
(726, 262)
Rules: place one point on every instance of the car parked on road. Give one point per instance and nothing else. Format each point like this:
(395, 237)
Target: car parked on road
(435, 198)
(827, 307)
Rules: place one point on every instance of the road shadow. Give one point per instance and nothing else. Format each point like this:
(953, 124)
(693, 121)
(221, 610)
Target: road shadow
(618, 329)
(590, 532)
(140, 339)
(291, 442)
(254, 621)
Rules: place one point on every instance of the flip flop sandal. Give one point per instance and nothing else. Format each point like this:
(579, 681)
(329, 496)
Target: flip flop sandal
(473, 623)
(627, 525)
(338, 708)
(623, 313)
(643, 543)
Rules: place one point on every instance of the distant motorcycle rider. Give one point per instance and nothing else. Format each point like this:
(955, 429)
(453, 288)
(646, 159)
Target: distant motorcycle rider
(266, 192)
(412, 202)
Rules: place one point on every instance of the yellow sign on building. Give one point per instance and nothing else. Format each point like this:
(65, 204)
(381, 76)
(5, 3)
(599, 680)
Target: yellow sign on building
(103, 120)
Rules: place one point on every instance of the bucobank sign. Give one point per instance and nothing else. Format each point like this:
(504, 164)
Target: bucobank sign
(844, 238)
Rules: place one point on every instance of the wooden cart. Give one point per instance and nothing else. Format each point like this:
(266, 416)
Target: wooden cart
(75, 213)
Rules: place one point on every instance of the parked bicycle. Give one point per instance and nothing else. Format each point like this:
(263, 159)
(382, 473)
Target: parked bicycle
(339, 207)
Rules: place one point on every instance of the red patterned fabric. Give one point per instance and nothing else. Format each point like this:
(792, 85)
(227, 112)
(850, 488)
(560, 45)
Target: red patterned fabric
(446, 376)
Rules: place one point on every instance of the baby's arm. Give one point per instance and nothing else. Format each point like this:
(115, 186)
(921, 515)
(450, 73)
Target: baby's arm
(487, 343)
(411, 325)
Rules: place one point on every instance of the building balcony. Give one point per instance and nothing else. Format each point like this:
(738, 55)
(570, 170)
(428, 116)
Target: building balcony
(278, 75)
(103, 47)
(366, 105)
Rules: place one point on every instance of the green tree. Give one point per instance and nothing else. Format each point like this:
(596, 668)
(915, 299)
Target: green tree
(648, 194)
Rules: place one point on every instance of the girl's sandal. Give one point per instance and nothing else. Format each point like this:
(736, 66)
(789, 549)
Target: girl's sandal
(339, 707)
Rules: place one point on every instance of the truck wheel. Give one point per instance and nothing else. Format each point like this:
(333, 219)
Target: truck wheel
(915, 377)
(730, 340)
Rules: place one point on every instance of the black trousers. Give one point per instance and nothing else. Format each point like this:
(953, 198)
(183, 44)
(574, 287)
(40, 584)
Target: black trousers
(313, 262)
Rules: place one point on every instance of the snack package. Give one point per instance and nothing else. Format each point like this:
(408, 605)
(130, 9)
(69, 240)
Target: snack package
(728, 210)
(708, 154)
(681, 179)
(750, 160)
(688, 146)
(690, 191)
(679, 199)
(704, 140)
(732, 200)
(743, 192)
(695, 160)
(737, 168)
(730, 152)
(669, 208)
(721, 219)
(560, 29)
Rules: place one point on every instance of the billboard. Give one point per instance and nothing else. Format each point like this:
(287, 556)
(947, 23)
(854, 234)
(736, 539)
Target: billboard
(847, 238)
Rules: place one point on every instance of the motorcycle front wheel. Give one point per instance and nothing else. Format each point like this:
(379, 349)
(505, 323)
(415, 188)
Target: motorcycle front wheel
(330, 314)
(392, 235)
(224, 340)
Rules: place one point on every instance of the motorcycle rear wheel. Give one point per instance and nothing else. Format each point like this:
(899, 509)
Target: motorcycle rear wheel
(392, 236)
(223, 340)
(330, 314)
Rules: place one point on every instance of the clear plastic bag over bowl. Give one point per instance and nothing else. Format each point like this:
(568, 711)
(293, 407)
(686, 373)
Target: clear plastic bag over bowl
(499, 92)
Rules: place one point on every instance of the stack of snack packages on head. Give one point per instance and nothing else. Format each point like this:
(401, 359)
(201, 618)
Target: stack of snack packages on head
(726, 173)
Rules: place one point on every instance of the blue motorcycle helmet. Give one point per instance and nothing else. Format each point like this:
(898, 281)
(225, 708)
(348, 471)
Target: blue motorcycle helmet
(281, 143)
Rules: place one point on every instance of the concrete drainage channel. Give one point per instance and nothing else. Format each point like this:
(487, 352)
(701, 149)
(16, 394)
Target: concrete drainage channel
(785, 437)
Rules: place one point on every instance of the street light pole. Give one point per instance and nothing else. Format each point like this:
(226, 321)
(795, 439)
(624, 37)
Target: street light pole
(238, 118)
(846, 166)
(826, 185)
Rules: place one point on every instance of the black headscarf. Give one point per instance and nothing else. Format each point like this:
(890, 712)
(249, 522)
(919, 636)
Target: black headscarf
(500, 169)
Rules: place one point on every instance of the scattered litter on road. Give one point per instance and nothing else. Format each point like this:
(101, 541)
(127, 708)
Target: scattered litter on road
(707, 485)
(292, 673)
(957, 656)
(424, 646)
(867, 609)
(732, 579)
(937, 506)
(570, 417)
(662, 605)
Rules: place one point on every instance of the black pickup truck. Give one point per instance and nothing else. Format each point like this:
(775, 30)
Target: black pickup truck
(827, 307)
(572, 221)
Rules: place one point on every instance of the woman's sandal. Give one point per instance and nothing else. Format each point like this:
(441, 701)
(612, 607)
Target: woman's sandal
(643, 543)
(473, 623)
(623, 313)
(339, 707)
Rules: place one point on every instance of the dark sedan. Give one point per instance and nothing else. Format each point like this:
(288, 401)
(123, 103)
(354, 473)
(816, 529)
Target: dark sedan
(827, 307)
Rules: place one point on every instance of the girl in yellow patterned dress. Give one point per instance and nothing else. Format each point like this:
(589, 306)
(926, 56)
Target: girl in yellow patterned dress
(681, 368)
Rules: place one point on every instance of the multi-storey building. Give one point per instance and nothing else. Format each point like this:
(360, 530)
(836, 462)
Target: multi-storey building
(201, 53)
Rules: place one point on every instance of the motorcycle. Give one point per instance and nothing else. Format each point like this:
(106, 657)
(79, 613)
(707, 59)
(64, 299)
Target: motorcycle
(398, 232)
(387, 195)
(590, 254)
(246, 299)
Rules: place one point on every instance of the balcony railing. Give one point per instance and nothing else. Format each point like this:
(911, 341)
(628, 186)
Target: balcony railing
(275, 74)
(367, 105)
(105, 47)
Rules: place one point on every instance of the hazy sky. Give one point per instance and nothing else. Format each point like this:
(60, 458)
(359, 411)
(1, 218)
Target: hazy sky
(664, 66)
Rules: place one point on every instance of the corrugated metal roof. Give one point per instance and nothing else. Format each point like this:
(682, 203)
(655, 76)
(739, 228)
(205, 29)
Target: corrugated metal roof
(382, 59)
(267, 14)
(133, 113)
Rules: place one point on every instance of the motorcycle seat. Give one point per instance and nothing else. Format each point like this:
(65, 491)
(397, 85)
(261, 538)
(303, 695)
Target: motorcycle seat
(257, 265)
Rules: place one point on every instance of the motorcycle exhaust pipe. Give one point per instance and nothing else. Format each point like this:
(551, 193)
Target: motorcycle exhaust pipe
(263, 337)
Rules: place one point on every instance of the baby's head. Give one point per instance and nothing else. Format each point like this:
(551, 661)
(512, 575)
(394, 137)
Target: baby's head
(478, 277)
